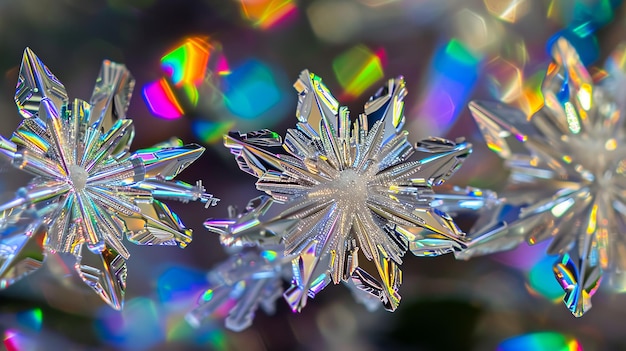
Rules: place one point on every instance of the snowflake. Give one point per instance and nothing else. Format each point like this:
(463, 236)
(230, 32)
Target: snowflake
(89, 190)
(356, 189)
(568, 164)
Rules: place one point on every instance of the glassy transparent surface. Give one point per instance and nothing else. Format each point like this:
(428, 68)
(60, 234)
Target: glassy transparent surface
(88, 190)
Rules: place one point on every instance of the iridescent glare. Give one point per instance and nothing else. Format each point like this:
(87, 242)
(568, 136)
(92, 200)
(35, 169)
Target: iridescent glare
(161, 100)
(211, 131)
(265, 14)
(190, 65)
(454, 70)
(540, 341)
(250, 90)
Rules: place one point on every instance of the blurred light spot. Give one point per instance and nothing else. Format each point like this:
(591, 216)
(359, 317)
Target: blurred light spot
(541, 341)
(191, 70)
(336, 323)
(187, 64)
(561, 208)
(265, 14)
(453, 74)
(269, 255)
(541, 279)
(14, 340)
(210, 132)
(334, 21)
(505, 80)
(221, 66)
(610, 144)
(137, 327)
(161, 100)
(532, 99)
(205, 335)
(579, 13)
(524, 257)
(250, 90)
(584, 96)
(30, 320)
(586, 44)
(357, 69)
(179, 283)
(507, 10)
(475, 32)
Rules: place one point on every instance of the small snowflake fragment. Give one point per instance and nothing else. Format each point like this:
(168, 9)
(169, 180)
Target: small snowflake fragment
(358, 190)
(568, 165)
(89, 190)
(255, 272)
(247, 280)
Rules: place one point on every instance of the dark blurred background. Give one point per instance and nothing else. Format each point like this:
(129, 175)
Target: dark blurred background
(449, 51)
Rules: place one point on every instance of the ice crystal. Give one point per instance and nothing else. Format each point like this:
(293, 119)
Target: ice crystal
(568, 163)
(356, 188)
(88, 190)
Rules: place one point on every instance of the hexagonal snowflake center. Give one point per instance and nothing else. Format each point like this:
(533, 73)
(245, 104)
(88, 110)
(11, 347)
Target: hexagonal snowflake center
(598, 155)
(351, 186)
(78, 177)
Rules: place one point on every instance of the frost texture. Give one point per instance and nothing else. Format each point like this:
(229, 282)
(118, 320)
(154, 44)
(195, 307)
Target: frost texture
(568, 183)
(88, 190)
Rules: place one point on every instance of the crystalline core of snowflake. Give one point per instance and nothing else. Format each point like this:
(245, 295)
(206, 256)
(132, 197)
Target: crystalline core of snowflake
(88, 188)
(355, 188)
(567, 165)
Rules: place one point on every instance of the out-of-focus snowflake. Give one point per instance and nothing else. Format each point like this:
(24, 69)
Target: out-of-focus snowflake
(568, 164)
(356, 189)
(248, 279)
(255, 272)
(88, 189)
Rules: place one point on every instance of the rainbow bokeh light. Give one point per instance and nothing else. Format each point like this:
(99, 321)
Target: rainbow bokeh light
(540, 341)
(454, 70)
(179, 283)
(357, 69)
(251, 90)
(161, 99)
(211, 131)
(265, 14)
(187, 64)
(186, 69)
(137, 327)
(541, 279)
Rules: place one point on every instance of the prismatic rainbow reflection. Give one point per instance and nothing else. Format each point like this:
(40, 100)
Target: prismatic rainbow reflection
(357, 69)
(454, 70)
(265, 14)
(187, 67)
(541, 341)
